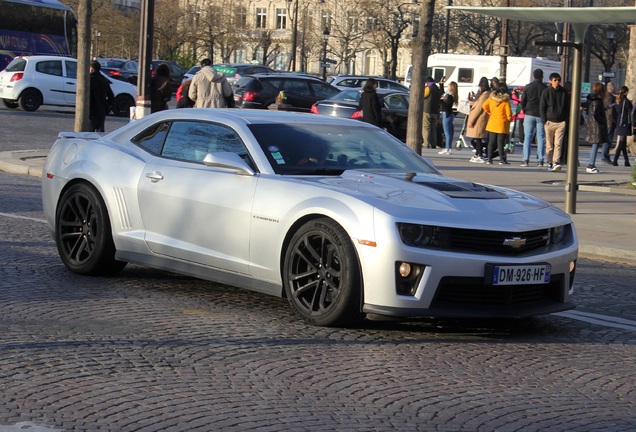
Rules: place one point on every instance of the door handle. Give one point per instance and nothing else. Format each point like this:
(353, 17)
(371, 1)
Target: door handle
(154, 176)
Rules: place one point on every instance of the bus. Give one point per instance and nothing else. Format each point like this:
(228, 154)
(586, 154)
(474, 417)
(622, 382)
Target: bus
(36, 27)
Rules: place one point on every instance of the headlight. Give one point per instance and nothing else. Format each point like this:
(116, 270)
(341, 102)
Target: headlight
(558, 234)
(416, 235)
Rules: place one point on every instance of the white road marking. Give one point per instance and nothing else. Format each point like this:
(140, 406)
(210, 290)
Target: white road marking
(603, 320)
(15, 216)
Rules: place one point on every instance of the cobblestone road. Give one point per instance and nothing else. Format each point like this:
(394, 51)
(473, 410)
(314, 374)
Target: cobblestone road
(151, 351)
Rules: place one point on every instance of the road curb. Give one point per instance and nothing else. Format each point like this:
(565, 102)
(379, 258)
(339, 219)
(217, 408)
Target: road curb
(21, 162)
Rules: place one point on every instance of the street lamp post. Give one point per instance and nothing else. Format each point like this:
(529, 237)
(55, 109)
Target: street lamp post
(611, 37)
(325, 35)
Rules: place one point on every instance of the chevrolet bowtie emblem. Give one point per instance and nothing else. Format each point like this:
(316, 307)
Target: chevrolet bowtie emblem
(515, 242)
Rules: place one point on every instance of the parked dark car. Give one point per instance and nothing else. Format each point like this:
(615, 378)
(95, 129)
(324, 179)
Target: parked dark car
(346, 82)
(301, 91)
(112, 67)
(395, 108)
(130, 71)
(232, 71)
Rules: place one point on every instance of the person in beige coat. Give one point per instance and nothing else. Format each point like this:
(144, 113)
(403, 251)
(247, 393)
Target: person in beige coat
(209, 88)
(476, 123)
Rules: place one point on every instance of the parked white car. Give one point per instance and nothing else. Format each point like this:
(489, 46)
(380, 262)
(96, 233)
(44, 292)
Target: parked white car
(30, 82)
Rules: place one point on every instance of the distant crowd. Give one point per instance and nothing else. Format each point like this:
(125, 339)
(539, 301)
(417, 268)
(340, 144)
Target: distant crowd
(538, 113)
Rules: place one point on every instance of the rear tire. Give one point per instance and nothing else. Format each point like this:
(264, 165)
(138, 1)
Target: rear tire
(83, 234)
(11, 104)
(30, 100)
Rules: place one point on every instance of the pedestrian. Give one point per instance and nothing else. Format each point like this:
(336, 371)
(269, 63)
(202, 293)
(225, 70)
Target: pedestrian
(476, 122)
(160, 90)
(555, 109)
(370, 103)
(622, 113)
(183, 100)
(532, 123)
(596, 124)
(432, 94)
(610, 102)
(500, 115)
(101, 98)
(494, 83)
(517, 114)
(447, 104)
(209, 88)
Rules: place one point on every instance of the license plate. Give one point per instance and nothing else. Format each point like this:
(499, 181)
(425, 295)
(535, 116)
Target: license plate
(520, 274)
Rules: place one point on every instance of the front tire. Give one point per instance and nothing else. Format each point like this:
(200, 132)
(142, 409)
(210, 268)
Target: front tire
(30, 100)
(322, 276)
(83, 233)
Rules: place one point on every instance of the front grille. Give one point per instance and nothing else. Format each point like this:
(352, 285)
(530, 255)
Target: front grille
(473, 293)
(488, 242)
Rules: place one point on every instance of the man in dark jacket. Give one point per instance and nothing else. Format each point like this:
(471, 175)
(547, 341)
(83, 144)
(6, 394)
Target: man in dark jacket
(432, 95)
(530, 101)
(555, 109)
(101, 98)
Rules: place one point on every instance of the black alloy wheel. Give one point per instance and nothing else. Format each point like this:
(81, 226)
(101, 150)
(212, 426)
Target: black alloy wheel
(83, 233)
(322, 275)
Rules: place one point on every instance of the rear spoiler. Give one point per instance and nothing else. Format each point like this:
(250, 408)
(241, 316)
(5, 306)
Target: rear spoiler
(81, 135)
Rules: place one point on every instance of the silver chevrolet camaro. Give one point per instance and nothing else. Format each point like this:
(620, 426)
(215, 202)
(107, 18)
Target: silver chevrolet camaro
(336, 215)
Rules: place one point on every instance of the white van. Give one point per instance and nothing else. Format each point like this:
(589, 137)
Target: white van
(466, 70)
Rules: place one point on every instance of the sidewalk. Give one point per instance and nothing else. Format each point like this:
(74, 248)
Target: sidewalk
(605, 217)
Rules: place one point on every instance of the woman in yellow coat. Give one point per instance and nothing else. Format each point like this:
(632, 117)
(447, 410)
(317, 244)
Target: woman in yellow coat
(500, 115)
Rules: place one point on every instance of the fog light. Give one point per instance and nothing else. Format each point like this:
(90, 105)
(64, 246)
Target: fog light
(407, 277)
(405, 269)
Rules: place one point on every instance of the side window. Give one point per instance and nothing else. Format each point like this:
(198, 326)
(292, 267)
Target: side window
(50, 67)
(71, 69)
(152, 138)
(395, 102)
(322, 90)
(296, 87)
(465, 75)
(191, 141)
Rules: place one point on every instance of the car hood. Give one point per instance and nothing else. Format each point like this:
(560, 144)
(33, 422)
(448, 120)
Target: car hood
(399, 194)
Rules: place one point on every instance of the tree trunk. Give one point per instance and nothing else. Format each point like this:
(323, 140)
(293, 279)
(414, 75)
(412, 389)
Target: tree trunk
(630, 74)
(421, 51)
(82, 95)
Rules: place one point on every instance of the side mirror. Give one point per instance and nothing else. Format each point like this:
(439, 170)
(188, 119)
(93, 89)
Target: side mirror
(228, 161)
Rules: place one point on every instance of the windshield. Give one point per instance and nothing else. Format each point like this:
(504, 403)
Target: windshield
(331, 149)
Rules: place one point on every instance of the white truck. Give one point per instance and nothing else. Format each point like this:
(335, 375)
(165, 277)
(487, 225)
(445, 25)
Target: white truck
(466, 70)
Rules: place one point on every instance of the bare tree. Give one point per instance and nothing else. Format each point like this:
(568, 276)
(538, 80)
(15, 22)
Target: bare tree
(605, 48)
(168, 36)
(392, 20)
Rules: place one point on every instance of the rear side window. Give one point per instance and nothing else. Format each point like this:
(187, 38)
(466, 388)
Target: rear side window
(152, 138)
(50, 67)
(17, 65)
(245, 82)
